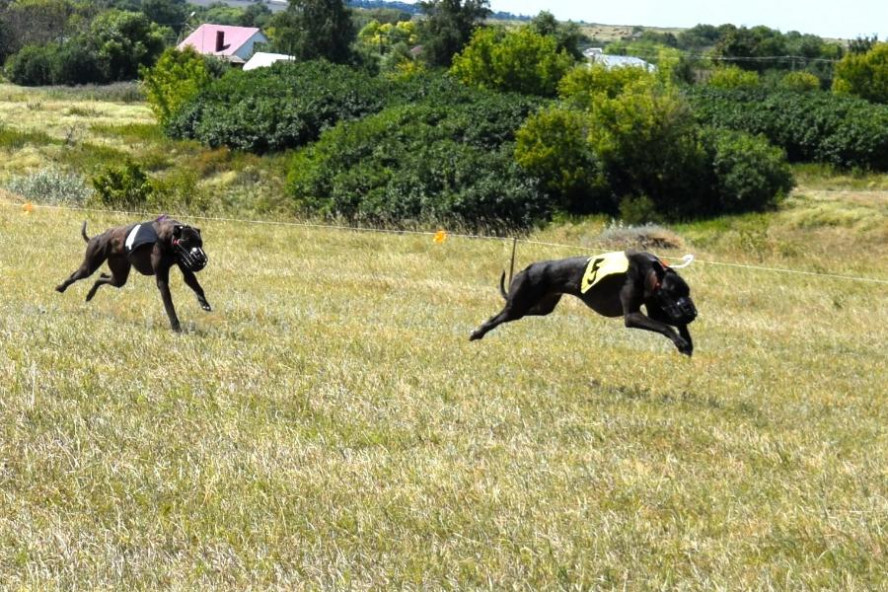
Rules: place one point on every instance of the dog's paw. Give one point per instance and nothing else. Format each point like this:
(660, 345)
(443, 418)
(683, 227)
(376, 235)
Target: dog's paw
(684, 347)
(475, 335)
(206, 306)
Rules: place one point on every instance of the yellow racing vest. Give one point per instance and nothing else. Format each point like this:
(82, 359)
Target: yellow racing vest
(602, 266)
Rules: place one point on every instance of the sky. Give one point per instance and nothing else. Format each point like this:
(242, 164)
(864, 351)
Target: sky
(833, 19)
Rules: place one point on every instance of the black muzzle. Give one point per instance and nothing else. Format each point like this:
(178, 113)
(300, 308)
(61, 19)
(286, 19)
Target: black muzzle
(681, 311)
(193, 259)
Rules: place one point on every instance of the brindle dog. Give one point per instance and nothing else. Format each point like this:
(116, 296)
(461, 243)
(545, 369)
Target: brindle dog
(164, 242)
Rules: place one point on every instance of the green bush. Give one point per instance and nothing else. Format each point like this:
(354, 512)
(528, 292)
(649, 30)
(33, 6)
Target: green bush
(646, 140)
(799, 82)
(71, 63)
(419, 162)
(733, 77)
(32, 66)
(583, 86)
(751, 175)
(276, 108)
(815, 126)
(75, 63)
(124, 186)
(638, 151)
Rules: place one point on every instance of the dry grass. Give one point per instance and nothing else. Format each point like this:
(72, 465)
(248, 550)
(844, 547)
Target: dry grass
(330, 426)
(60, 117)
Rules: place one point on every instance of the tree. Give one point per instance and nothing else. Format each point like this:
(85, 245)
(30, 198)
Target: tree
(567, 35)
(698, 37)
(38, 22)
(448, 27)
(174, 80)
(752, 44)
(255, 15)
(5, 39)
(166, 13)
(313, 29)
(864, 75)
(124, 42)
(519, 61)
(382, 37)
(862, 44)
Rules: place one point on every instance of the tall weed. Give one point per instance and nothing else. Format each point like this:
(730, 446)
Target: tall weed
(51, 186)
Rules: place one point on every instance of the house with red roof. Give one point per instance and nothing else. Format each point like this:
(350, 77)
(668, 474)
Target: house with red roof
(234, 44)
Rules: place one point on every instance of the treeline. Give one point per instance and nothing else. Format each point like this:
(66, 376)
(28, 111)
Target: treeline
(760, 49)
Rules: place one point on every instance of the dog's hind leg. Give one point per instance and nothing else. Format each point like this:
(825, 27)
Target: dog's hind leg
(120, 269)
(516, 308)
(506, 315)
(546, 305)
(91, 262)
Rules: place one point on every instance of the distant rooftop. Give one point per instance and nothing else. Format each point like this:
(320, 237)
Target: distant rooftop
(263, 59)
(206, 39)
(596, 55)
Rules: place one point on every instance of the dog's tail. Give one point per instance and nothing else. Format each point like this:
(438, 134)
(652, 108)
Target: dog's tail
(503, 287)
(511, 270)
(83, 232)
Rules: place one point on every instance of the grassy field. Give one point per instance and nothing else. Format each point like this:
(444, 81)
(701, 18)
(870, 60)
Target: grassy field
(329, 425)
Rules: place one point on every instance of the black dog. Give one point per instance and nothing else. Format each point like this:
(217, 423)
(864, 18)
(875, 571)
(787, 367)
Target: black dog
(152, 248)
(613, 284)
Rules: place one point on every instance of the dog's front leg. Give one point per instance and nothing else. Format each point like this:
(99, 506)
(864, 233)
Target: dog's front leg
(163, 284)
(686, 335)
(192, 282)
(637, 320)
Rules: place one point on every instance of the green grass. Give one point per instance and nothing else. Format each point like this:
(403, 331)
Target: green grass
(329, 425)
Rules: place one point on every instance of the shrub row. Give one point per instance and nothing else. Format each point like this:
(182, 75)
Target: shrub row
(427, 163)
(276, 108)
(429, 149)
(814, 126)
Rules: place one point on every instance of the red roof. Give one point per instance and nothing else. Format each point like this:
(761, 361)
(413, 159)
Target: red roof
(203, 39)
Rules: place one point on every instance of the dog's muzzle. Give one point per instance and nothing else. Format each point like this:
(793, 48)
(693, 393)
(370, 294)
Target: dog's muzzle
(681, 311)
(193, 259)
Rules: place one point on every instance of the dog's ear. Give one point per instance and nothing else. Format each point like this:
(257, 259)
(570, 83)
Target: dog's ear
(654, 277)
(197, 230)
